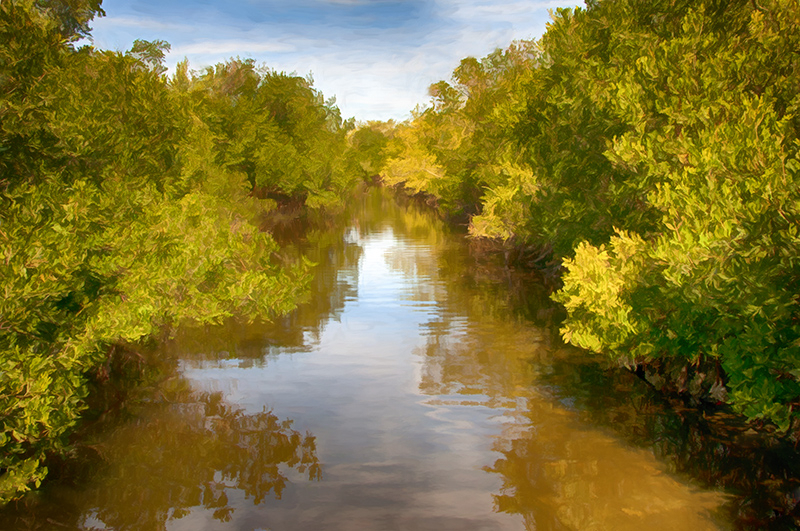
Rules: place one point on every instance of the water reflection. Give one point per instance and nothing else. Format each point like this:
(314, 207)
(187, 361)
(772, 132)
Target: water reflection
(560, 475)
(708, 444)
(586, 446)
(559, 469)
(182, 454)
(489, 345)
(439, 395)
(328, 241)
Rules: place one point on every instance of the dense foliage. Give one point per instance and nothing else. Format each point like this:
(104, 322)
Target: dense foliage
(129, 201)
(651, 147)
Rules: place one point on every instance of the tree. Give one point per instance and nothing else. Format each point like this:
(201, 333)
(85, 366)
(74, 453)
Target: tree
(127, 203)
(151, 53)
(71, 16)
(652, 147)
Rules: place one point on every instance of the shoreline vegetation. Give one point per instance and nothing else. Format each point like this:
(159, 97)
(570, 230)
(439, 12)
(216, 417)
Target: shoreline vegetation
(645, 155)
(131, 201)
(642, 156)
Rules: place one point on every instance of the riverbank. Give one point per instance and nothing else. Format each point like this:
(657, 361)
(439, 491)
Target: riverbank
(415, 368)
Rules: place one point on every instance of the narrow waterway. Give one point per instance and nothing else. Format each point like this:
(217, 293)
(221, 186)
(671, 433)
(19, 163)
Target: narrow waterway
(420, 388)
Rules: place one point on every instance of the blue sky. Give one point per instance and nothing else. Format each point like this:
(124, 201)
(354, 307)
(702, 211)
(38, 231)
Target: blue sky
(377, 57)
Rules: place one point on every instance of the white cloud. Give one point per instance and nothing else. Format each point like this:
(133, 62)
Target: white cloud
(375, 72)
(510, 11)
(230, 47)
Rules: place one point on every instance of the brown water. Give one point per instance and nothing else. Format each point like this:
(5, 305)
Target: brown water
(420, 388)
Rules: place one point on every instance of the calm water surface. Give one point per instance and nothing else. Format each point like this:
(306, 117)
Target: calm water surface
(419, 388)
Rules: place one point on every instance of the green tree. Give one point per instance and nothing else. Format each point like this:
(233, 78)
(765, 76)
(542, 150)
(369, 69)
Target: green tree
(72, 17)
(652, 146)
(275, 128)
(128, 202)
(151, 53)
(715, 287)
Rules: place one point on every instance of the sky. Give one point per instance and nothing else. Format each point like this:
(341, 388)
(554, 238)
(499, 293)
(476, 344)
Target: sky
(377, 57)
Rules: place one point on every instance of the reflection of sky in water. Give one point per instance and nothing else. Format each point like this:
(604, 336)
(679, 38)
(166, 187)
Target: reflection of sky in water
(388, 453)
(428, 402)
(414, 401)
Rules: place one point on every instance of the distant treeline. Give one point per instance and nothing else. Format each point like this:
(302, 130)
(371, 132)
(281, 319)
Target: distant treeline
(130, 200)
(647, 150)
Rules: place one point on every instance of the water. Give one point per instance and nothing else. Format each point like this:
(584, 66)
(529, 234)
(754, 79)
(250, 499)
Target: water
(421, 387)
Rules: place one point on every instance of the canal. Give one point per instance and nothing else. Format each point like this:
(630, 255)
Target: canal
(421, 387)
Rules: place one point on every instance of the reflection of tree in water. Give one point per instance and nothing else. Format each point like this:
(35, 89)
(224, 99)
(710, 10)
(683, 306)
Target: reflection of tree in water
(463, 273)
(707, 443)
(561, 463)
(496, 362)
(186, 451)
(559, 469)
(561, 472)
(322, 240)
(333, 243)
(493, 339)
